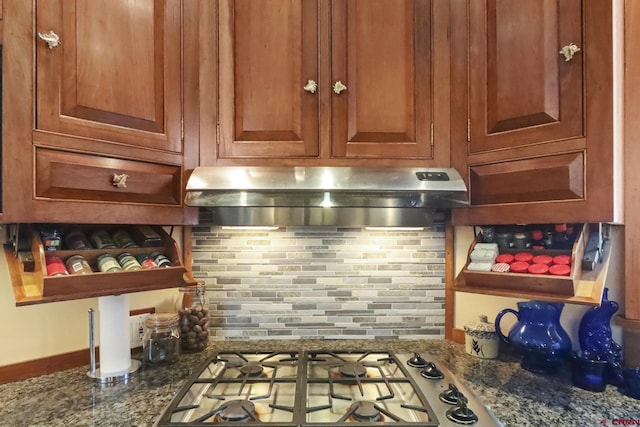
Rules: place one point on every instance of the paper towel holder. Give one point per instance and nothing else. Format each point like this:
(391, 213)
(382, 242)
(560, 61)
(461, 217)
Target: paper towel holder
(110, 378)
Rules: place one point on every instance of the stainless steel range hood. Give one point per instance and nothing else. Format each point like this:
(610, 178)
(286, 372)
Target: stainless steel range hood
(348, 196)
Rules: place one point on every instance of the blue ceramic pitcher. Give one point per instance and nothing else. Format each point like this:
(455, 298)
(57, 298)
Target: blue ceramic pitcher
(537, 337)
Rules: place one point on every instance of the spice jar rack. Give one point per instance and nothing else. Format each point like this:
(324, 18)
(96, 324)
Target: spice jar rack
(33, 287)
(579, 287)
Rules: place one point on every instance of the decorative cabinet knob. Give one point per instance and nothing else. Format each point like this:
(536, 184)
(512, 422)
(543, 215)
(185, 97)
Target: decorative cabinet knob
(119, 180)
(51, 38)
(339, 87)
(568, 51)
(311, 86)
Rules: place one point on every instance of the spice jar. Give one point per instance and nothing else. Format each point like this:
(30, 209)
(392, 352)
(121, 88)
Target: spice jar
(161, 259)
(146, 262)
(77, 240)
(51, 238)
(77, 264)
(101, 239)
(128, 262)
(55, 266)
(504, 238)
(161, 340)
(107, 263)
(124, 239)
(521, 240)
(193, 310)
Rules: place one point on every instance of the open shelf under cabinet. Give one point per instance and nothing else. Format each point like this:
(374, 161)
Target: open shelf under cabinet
(35, 287)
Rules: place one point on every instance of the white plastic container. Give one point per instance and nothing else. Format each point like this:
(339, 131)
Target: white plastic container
(481, 339)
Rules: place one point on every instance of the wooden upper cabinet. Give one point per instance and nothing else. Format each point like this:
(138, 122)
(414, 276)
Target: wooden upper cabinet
(115, 74)
(533, 130)
(278, 66)
(1, 31)
(268, 55)
(94, 129)
(522, 91)
(381, 53)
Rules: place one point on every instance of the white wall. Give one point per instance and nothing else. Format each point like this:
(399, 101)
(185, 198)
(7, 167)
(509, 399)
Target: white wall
(43, 330)
(469, 306)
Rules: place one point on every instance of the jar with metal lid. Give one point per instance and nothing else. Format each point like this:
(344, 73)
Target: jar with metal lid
(161, 339)
(101, 239)
(77, 264)
(521, 240)
(77, 240)
(128, 262)
(51, 238)
(124, 240)
(55, 266)
(146, 262)
(504, 238)
(107, 263)
(161, 259)
(193, 310)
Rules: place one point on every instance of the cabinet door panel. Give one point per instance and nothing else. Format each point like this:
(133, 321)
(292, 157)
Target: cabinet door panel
(381, 51)
(522, 91)
(268, 51)
(548, 178)
(116, 74)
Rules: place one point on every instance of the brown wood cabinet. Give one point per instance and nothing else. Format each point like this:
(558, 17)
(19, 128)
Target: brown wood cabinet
(319, 81)
(93, 118)
(629, 319)
(1, 21)
(533, 129)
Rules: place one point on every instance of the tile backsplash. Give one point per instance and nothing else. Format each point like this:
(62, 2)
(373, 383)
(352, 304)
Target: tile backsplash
(322, 282)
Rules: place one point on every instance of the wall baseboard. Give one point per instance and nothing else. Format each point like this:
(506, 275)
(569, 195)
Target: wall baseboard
(47, 365)
(60, 362)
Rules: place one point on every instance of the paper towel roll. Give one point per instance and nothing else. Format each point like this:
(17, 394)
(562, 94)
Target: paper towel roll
(115, 354)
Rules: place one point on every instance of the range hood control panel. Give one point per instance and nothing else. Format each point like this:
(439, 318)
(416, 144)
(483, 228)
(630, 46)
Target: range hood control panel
(432, 176)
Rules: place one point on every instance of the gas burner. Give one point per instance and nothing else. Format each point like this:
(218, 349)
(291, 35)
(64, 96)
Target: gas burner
(232, 362)
(417, 361)
(251, 370)
(365, 412)
(452, 395)
(237, 411)
(352, 370)
(461, 414)
(431, 372)
(324, 387)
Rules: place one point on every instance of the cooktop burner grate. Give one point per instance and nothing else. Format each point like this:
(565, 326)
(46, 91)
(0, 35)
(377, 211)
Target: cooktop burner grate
(316, 388)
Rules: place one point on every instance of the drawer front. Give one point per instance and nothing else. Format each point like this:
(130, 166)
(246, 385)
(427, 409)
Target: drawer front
(550, 178)
(72, 176)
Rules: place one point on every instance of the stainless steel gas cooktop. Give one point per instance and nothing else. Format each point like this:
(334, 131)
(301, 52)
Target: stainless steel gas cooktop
(324, 388)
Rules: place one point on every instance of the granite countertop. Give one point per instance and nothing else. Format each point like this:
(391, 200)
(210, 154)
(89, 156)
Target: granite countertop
(516, 397)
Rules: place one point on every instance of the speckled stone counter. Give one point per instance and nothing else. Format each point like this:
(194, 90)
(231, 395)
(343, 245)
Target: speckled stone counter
(516, 397)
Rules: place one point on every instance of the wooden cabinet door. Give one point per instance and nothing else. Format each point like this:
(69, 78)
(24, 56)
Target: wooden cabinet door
(534, 134)
(522, 91)
(381, 52)
(115, 76)
(268, 52)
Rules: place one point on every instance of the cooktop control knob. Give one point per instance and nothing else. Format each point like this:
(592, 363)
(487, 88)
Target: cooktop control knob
(452, 395)
(417, 361)
(461, 414)
(431, 372)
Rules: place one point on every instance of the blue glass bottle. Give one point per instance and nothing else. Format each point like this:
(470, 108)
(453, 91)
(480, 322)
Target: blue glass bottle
(596, 341)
